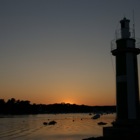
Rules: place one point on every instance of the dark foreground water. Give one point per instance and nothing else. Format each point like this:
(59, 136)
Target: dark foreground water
(68, 126)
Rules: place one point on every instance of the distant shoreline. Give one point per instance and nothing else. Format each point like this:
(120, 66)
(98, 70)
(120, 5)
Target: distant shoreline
(21, 107)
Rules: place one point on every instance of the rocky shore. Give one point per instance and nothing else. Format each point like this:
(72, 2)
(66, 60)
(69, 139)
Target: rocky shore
(128, 137)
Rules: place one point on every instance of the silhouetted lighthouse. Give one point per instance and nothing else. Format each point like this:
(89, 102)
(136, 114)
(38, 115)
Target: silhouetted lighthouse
(127, 90)
(127, 121)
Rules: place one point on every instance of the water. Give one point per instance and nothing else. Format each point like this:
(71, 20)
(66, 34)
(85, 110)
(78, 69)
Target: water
(68, 127)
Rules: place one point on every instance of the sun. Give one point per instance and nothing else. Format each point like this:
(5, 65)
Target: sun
(68, 101)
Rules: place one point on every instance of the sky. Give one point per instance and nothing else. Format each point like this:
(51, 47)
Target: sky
(54, 51)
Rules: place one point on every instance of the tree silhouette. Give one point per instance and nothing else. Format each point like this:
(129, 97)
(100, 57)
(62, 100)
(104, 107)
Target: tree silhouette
(13, 106)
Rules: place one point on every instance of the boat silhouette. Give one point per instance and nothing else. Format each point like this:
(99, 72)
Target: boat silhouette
(96, 116)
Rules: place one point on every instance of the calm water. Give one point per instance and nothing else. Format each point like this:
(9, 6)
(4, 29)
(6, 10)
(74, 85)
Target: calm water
(68, 127)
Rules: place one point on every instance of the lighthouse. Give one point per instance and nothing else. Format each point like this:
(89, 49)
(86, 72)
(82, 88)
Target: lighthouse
(127, 89)
(125, 51)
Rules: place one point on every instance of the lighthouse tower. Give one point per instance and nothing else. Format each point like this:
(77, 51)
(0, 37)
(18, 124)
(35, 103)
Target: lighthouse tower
(127, 91)
(127, 121)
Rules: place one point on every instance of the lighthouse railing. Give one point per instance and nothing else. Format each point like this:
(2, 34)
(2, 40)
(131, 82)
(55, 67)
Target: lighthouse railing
(114, 46)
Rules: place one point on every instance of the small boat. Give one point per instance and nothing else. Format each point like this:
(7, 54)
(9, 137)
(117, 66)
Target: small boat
(96, 116)
(102, 123)
(45, 123)
(52, 123)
